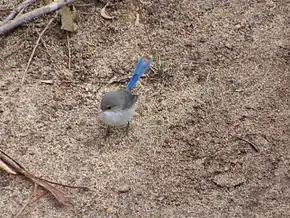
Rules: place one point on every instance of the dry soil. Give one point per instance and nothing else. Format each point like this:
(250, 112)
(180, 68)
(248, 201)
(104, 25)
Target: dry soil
(221, 71)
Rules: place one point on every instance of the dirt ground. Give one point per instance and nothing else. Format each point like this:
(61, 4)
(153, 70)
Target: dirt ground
(211, 134)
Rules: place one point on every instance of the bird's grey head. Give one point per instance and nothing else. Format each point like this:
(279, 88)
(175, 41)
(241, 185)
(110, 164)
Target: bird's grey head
(120, 99)
(110, 101)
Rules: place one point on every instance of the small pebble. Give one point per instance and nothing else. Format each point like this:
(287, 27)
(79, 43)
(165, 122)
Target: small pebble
(124, 189)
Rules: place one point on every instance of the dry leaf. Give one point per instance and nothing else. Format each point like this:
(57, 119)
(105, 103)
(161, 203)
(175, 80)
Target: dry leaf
(6, 168)
(103, 13)
(68, 16)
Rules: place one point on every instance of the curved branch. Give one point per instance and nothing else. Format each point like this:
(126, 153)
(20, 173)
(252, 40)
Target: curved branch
(22, 6)
(9, 25)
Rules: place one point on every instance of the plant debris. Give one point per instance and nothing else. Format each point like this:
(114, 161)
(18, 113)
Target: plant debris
(104, 14)
(68, 17)
(10, 166)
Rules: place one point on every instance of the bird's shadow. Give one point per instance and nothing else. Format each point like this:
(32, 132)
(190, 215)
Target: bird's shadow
(104, 137)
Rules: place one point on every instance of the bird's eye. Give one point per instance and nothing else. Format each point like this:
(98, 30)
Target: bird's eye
(109, 108)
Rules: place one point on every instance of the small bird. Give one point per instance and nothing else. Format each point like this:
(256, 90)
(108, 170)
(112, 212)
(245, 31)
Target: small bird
(118, 106)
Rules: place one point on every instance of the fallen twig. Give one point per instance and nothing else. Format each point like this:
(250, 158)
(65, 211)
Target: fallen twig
(46, 184)
(38, 196)
(69, 52)
(21, 7)
(44, 44)
(253, 146)
(64, 185)
(59, 195)
(9, 25)
(34, 49)
(6, 168)
(29, 199)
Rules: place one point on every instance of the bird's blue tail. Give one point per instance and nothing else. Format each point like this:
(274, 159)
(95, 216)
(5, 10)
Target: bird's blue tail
(141, 67)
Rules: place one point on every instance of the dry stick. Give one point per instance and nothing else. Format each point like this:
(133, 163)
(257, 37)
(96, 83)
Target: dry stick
(9, 25)
(21, 7)
(31, 199)
(10, 162)
(253, 146)
(59, 195)
(36, 198)
(44, 44)
(40, 195)
(69, 52)
(20, 169)
(33, 191)
(63, 185)
(34, 49)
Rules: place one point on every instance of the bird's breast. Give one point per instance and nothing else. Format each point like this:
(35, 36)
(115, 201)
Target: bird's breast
(117, 117)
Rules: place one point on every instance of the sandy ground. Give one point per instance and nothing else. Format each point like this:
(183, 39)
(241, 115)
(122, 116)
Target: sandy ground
(222, 73)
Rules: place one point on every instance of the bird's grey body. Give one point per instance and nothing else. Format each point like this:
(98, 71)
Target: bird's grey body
(118, 107)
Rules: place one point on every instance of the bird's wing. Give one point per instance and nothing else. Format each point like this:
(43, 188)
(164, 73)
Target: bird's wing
(127, 98)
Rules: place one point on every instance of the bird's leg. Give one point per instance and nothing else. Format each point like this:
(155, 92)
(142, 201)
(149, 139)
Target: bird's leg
(108, 132)
(127, 128)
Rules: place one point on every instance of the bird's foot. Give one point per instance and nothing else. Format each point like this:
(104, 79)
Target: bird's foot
(127, 128)
(108, 132)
